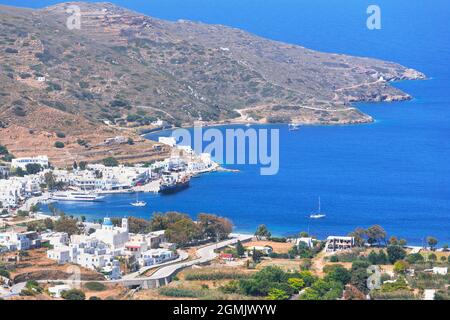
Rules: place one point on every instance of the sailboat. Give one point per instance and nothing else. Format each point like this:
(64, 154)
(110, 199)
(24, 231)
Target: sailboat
(138, 203)
(318, 214)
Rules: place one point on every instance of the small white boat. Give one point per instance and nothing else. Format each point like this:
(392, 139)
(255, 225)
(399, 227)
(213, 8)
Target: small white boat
(138, 203)
(294, 126)
(318, 214)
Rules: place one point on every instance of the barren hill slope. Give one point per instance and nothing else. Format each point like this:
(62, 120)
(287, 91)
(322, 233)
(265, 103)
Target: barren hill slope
(131, 69)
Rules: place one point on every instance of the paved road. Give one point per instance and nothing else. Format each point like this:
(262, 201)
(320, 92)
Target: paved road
(204, 254)
(182, 255)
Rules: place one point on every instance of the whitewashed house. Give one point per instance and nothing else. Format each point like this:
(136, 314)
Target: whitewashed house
(22, 162)
(336, 243)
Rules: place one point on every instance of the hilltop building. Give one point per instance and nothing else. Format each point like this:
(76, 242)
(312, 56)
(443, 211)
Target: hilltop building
(22, 162)
(336, 243)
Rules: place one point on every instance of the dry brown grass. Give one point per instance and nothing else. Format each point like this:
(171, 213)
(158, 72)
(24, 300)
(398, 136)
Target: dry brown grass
(278, 247)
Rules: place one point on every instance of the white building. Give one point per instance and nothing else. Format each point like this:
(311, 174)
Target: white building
(20, 241)
(336, 243)
(22, 162)
(55, 238)
(60, 254)
(12, 191)
(155, 256)
(308, 241)
(56, 291)
(115, 237)
(438, 270)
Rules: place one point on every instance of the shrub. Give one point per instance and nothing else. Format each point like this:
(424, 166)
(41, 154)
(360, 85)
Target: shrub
(110, 162)
(276, 239)
(334, 258)
(60, 134)
(19, 111)
(414, 258)
(180, 292)
(4, 273)
(432, 257)
(95, 286)
(59, 145)
(215, 276)
(11, 50)
(73, 294)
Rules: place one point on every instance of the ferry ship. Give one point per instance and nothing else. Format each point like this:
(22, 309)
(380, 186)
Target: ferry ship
(76, 196)
(173, 184)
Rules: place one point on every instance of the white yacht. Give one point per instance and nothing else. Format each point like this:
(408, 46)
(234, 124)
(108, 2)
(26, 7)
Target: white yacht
(294, 126)
(318, 214)
(76, 196)
(138, 203)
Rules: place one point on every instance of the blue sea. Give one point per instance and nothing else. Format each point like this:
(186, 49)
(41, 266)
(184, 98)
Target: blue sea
(394, 172)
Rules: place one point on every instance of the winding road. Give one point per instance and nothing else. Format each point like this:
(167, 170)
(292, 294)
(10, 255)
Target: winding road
(161, 277)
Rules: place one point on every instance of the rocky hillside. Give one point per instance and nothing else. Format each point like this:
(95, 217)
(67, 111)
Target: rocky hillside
(124, 70)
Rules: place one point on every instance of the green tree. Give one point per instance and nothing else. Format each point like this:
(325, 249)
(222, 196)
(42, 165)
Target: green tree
(50, 180)
(338, 273)
(296, 283)
(359, 234)
(414, 258)
(393, 241)
(401, 266)
(214, 227)
(359, 275)
(68, 225)
(432, 257)
(240, 250)
(277, 294)
(432, 242)
(256, 255)
(262, 232)
(303, 234)
(33, 168)
(395, 253)
(110, 162)
(376, 234)
(183, 232)
(82, 165)
(377, 258)
(3, 150)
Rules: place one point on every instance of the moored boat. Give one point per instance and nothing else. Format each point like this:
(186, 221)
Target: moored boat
(76, 196)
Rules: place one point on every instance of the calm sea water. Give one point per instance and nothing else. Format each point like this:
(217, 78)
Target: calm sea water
(394, 172)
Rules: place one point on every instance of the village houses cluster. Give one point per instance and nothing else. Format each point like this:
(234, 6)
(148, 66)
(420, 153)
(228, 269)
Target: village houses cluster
(15, 190)
(102, 249)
